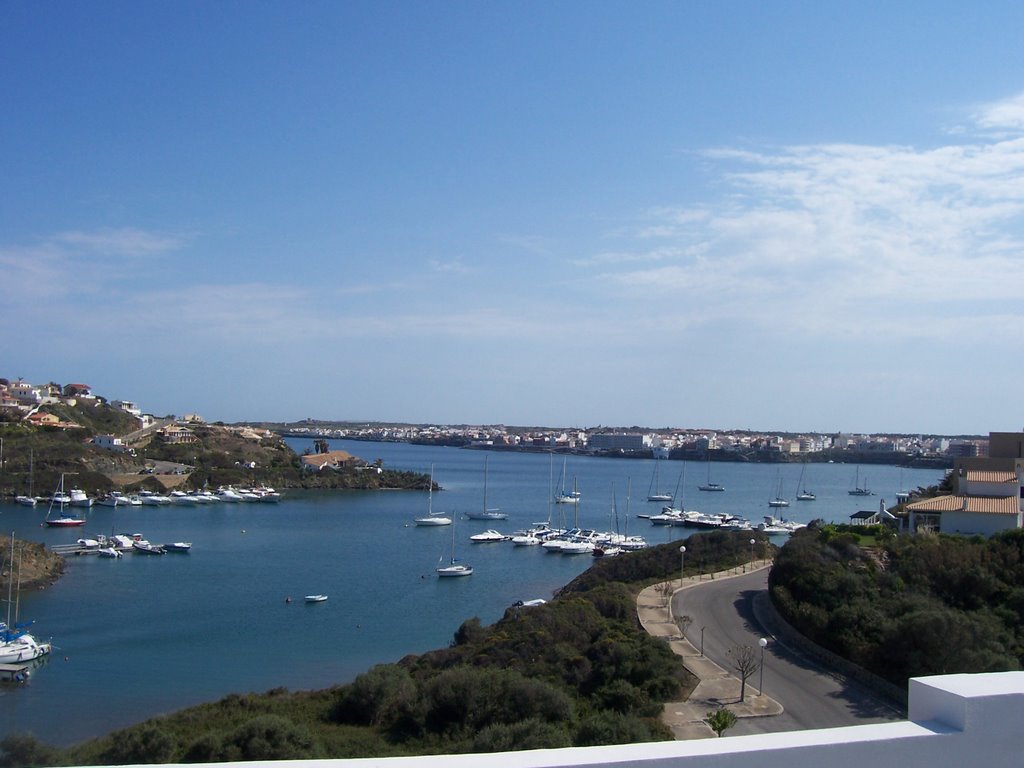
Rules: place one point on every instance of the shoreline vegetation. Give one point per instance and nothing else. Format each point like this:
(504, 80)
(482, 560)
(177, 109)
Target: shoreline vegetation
(578, 670)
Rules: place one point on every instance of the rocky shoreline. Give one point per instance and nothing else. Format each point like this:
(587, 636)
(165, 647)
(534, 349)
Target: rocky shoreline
(34, 566)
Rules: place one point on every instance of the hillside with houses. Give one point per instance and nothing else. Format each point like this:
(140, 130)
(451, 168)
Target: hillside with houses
(49, 430)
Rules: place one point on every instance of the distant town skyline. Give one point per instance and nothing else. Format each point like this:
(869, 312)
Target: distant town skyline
(804, 218)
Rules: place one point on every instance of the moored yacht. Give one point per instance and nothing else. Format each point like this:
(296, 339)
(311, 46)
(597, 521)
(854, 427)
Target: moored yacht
(79, 498)
(112, 499)
(490, 535)
(229, 494)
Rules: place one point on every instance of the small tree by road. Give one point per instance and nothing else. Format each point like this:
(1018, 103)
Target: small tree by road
(683, 622)
(665, 589)
(720, 720)
(746, 663)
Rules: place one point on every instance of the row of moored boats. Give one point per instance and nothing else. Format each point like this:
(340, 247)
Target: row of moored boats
(722, 521)
(78, 498)
(120, 544)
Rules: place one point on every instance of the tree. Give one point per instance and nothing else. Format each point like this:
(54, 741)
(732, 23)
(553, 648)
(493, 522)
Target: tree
(683, 622)
(665, 589)
(720, 720)
(746, 663)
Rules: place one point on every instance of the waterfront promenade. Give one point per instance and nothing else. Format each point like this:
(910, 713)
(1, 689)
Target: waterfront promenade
(717, 687)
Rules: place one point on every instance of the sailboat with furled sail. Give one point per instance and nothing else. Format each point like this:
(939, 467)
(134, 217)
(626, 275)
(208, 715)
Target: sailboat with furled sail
(655, 493)
(29, 500)
(486, 513)
(62, 520)
(17, 645)
(454, 568)
(430, 518)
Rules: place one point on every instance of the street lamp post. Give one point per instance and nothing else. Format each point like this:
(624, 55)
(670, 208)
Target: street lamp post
(702, 642)
(752, 542)
(763, 642)
(682, 560)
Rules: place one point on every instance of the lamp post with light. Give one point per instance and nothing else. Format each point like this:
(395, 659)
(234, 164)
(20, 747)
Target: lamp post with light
(763, 642)
(682, 561)
(752, 542)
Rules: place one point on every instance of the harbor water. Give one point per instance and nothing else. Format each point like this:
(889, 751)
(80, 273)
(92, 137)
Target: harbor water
(143, 636)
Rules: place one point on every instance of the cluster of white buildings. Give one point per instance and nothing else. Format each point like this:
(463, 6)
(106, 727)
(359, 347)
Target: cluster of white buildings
(661, 443)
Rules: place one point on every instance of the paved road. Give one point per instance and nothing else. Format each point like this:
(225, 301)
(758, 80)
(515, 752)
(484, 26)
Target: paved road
(811, 697)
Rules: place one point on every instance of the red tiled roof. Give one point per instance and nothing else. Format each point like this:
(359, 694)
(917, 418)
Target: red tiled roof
(990, 476)
(1001, 505)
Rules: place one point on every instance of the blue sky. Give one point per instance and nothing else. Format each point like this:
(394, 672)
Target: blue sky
(800, 216)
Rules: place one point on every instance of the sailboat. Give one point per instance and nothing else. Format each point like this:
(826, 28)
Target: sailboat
(454, 568)
(573, 497)
(710, 486)
(802, 493)
(17, 645)
(430, 518)
(485, 513)
(533, 536)
(30, 500)
(858, 490)
(779, 500)
(63, 520)
(608, 547)
(654, 493)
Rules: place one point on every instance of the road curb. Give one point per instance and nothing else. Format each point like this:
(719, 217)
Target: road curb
(717, 688)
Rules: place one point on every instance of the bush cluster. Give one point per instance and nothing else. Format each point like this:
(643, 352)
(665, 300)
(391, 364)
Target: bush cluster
(909, 606)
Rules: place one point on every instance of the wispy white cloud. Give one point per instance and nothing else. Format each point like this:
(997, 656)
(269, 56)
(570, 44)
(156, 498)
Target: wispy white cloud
(451, 267)
(1003, 114)
(73, 263)
(125, 241)
(833, 237)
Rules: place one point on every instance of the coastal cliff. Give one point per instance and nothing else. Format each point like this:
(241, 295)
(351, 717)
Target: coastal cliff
(33, 566)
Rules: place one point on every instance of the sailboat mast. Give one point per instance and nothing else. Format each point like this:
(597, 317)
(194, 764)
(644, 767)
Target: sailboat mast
(10, 585)
(17, 601)
(625, 527)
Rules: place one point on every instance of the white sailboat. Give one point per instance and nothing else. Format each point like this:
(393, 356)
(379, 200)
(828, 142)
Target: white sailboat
(29, 500)
(802, 493)
(61, 499)
(485, 513)
(454, 568)
(430, 519)
(17, 645)
(779, 500)
(710, 486)
(573, 497)
(654, 493)
(858, 489)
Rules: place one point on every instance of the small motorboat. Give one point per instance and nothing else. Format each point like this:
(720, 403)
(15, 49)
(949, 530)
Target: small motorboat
(144, 547)
(489, 535)
(109, 552)
(315, 598)
(178, 546)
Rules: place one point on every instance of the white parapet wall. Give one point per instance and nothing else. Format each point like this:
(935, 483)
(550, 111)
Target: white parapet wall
(954, 720)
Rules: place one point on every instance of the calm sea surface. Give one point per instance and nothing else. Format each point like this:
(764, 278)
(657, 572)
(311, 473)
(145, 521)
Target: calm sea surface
(143, 636)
